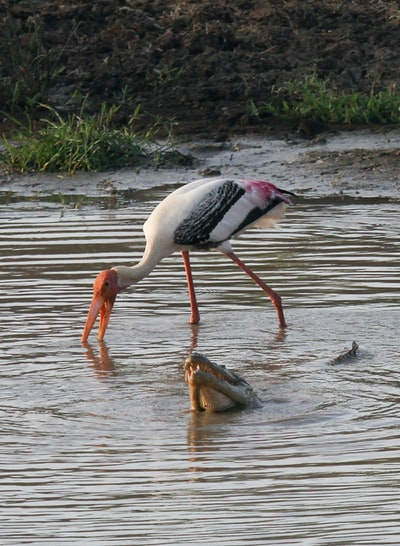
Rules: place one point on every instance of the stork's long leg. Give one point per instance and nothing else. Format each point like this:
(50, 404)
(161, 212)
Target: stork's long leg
(195, 315)
(274, 297)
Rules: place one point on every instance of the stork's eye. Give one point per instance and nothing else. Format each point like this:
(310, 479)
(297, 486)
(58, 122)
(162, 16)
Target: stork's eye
(106, 283)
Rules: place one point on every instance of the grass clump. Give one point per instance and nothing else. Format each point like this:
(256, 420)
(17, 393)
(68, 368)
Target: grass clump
(82, 143)
(321, 101)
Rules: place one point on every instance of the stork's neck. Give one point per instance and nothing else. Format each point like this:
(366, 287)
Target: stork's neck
(133, 274)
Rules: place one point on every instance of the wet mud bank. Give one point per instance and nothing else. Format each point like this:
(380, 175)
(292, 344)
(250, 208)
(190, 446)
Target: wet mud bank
(362, 163)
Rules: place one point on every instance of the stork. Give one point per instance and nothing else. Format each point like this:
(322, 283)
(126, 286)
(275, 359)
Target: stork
(201, 215)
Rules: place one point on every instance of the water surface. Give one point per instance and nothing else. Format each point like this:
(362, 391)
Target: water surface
(97, 444)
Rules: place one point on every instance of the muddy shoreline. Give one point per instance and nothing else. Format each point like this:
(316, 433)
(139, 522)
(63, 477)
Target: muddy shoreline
(363, 163)
(194, 69)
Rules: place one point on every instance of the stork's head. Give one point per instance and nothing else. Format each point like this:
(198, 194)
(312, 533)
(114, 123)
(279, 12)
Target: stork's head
(105, 291)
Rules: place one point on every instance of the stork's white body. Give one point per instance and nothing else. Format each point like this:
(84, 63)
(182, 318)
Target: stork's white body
(180, 205)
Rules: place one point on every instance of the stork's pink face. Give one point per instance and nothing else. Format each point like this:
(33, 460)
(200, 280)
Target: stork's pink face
(105, 291)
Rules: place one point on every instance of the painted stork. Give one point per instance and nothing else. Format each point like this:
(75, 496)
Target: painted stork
(201, 215)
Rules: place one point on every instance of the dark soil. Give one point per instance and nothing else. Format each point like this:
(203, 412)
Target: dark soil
(197, 64)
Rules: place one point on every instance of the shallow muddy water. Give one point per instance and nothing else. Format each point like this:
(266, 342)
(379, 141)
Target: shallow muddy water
(97, 444)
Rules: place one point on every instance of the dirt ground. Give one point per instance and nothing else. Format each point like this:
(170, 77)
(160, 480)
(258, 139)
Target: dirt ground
(196, 64)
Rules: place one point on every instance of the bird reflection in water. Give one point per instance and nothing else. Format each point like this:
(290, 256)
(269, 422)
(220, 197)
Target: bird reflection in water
(102, 362)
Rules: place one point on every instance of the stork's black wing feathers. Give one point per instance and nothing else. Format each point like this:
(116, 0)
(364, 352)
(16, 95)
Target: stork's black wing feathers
(195, 229)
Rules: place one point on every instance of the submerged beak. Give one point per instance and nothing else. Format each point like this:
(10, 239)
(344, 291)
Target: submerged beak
(105, 292)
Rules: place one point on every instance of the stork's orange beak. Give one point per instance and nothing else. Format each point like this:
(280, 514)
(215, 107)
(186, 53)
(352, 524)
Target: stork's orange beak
(105, 291)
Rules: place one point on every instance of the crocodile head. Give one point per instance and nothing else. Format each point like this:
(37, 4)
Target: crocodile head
(215, 388)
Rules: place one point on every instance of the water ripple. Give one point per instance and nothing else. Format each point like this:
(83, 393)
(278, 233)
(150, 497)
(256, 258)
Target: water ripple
(97, 444)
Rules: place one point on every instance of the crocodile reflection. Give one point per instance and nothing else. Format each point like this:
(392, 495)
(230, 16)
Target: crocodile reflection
(215, 388)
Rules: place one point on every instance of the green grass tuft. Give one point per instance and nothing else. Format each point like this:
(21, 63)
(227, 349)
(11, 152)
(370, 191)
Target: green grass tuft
(79, 143)
(321, 101)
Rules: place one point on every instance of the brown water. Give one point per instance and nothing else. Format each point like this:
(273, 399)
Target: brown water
(97, 444)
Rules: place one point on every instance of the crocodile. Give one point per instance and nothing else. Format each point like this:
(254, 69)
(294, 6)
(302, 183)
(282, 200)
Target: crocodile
(214, 388)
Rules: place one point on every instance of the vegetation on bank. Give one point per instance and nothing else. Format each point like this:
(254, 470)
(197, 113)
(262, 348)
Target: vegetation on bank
(80, 142)
(319, 100)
